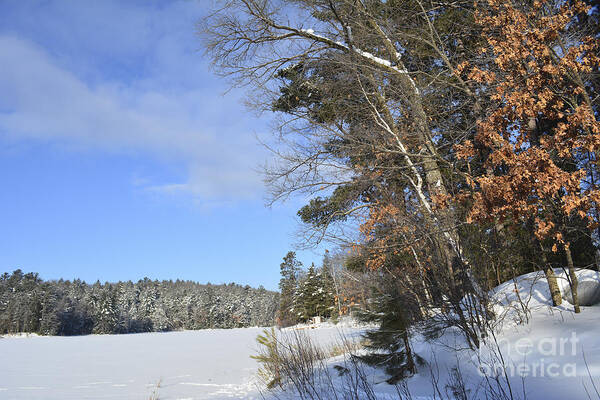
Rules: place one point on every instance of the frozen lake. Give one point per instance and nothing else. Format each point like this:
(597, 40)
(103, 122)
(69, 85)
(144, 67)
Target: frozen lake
(190, 364)
(208, 364)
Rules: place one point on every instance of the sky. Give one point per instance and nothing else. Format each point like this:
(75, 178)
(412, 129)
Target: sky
(123, 156)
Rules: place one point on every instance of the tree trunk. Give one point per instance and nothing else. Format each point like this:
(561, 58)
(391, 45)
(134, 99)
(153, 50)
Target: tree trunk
(410, 360)
(443, 219)
(553, 285)
(573, 277)
(337, 291)
(551, 279)
(422, 310)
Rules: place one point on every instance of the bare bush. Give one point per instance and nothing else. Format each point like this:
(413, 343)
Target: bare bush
(292, 363)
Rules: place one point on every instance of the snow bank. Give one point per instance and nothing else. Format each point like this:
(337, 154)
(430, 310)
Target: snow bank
(532, 289)
(550, 354)
(344, 323)
(21, 335)
(588, 289)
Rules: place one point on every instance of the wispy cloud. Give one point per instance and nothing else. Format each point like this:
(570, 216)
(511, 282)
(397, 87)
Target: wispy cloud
(133, 85)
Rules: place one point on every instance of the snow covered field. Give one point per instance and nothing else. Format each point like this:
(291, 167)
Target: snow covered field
(555, 355)
(208, 364)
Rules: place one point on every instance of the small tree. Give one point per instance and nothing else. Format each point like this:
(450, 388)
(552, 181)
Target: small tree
(389, 346)
(328, 292)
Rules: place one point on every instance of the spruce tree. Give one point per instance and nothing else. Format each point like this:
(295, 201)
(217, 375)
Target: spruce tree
(315, 296)
(327, 293)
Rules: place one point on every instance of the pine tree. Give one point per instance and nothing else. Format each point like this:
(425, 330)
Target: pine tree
(288, 285)
(105, 309)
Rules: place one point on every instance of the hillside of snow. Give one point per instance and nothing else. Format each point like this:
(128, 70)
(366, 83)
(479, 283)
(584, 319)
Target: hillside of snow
(545, 353)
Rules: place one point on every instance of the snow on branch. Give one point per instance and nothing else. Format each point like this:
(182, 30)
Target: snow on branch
(310, 34)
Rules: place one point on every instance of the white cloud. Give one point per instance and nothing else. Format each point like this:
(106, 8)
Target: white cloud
(163, 110)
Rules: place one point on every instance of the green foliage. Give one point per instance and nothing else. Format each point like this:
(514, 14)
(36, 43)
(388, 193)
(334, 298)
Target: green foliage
(388, 346)
(300, 90)
(315, 295)
(288, 284)
(269, 357)
(320, 212)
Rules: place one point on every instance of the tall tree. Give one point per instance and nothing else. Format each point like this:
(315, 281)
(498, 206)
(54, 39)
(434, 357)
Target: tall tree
(289, 268)
(372, 101)
(314, 296)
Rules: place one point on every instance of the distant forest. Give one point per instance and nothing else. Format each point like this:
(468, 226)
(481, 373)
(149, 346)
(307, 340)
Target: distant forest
(29, 304)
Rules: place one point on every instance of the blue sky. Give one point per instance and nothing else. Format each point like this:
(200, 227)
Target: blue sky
(120, 155)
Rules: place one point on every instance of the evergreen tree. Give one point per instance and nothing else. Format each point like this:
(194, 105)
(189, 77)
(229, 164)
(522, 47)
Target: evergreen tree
(105, 311)
(389, 346)
(315, 295)
(28, 304)
(49, 321)
(327, 306)
(288, 285)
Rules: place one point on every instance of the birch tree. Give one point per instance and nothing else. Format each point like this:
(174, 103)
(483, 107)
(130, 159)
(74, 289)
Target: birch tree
(372, 101)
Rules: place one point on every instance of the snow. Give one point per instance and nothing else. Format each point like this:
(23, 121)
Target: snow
(531, 290)
(206, 364)
(385, 63)
(549, 353)
(19, 335)
(544, 358)
(346, 325)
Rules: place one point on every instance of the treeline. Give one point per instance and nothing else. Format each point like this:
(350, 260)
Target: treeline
(29, 304)
(447, 146)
